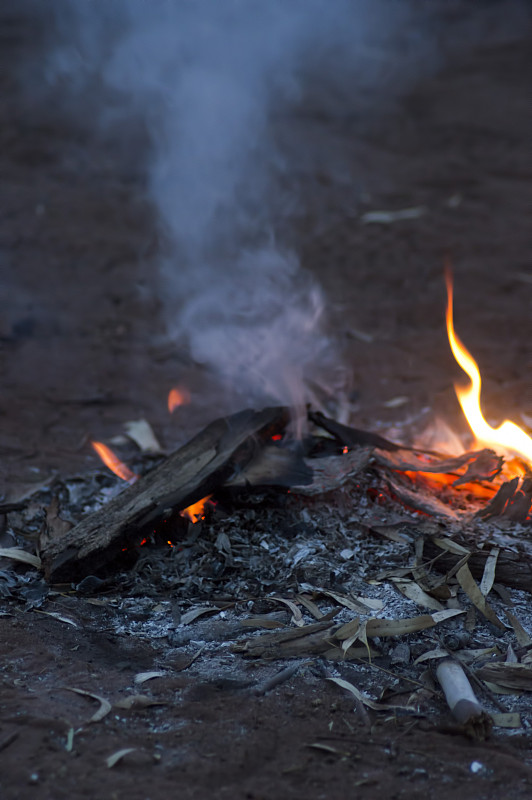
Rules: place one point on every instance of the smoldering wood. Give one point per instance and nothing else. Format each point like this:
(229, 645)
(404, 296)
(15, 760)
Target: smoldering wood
(238, 453)
(482, 465)
(496, 505)
(274, 466)
(217, 454)
(518, 507)
(334, 471)
(351, 437)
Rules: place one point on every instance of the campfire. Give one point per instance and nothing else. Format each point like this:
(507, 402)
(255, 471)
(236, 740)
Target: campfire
(461, 515)
(251, 451)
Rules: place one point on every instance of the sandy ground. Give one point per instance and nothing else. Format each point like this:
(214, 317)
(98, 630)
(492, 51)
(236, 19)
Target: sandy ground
(82, 352)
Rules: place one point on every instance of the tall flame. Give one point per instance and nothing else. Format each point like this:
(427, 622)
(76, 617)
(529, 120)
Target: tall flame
(113, 462)
(507, 436)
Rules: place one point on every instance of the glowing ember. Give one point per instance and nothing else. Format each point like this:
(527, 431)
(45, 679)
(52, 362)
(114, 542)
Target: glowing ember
(178, 396)
(196, 511)
(113, 462)
(507, 436)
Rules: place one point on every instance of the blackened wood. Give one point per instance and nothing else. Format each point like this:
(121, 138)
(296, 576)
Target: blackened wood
(331, 473)
(496, 505)
(351, 437)
(483, 465)
(274, 465)
(518, 507)
(513, 568)
(209, 460)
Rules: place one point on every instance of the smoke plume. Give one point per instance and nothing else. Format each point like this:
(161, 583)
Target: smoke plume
(209, 78)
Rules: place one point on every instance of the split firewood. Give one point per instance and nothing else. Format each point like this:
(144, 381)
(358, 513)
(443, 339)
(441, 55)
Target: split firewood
(465, 708)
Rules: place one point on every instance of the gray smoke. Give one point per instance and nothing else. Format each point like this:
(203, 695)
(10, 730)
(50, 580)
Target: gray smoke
(209, 78)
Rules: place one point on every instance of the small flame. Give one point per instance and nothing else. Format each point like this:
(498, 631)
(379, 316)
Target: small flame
(178, 396)
(113, 462)
(507, 436)
(196, 511)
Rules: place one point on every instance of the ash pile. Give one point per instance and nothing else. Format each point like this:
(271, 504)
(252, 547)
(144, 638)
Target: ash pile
(333, 557)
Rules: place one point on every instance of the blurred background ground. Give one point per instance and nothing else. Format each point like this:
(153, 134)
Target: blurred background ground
(81, 331)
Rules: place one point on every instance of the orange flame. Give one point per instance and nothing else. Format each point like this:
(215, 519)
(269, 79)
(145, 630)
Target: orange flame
(508, 436)
(113, 462)
(178, 396)
(196, 511)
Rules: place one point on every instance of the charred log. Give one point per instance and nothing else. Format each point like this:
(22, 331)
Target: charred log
(216, 455)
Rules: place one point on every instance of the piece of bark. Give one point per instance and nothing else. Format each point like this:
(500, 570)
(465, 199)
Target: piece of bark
(205, 463)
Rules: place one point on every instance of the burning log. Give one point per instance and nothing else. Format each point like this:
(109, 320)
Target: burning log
(244, 451)
(220, 453)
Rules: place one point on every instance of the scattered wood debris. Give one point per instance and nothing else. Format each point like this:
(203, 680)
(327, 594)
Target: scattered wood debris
(343, 569)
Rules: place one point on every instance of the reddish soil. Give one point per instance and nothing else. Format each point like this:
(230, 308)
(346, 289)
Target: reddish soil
(81, 354)
(215, 738)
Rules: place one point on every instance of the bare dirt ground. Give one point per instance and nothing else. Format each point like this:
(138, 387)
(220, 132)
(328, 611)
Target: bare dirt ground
(82, 352)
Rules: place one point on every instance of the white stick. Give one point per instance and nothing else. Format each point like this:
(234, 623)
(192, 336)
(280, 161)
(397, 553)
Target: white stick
(460, 697)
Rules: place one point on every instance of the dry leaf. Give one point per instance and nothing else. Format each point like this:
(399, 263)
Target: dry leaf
(327, 748)
(509, 720)
(395, 402)
(18, 554)
(488, 577)
(297, 617)
(400, 627)
(194, 613)
(470, 587)
(437, 653)
(142, 677)
(311, 607)
(470, 656)
(105, 705)
(387, 217)
(362, 697)
(520, 634)
(344, 600)
(142, 434)
(60, 617)
(414, 592)
(348, 630)
(118, 756)
(451, 546)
